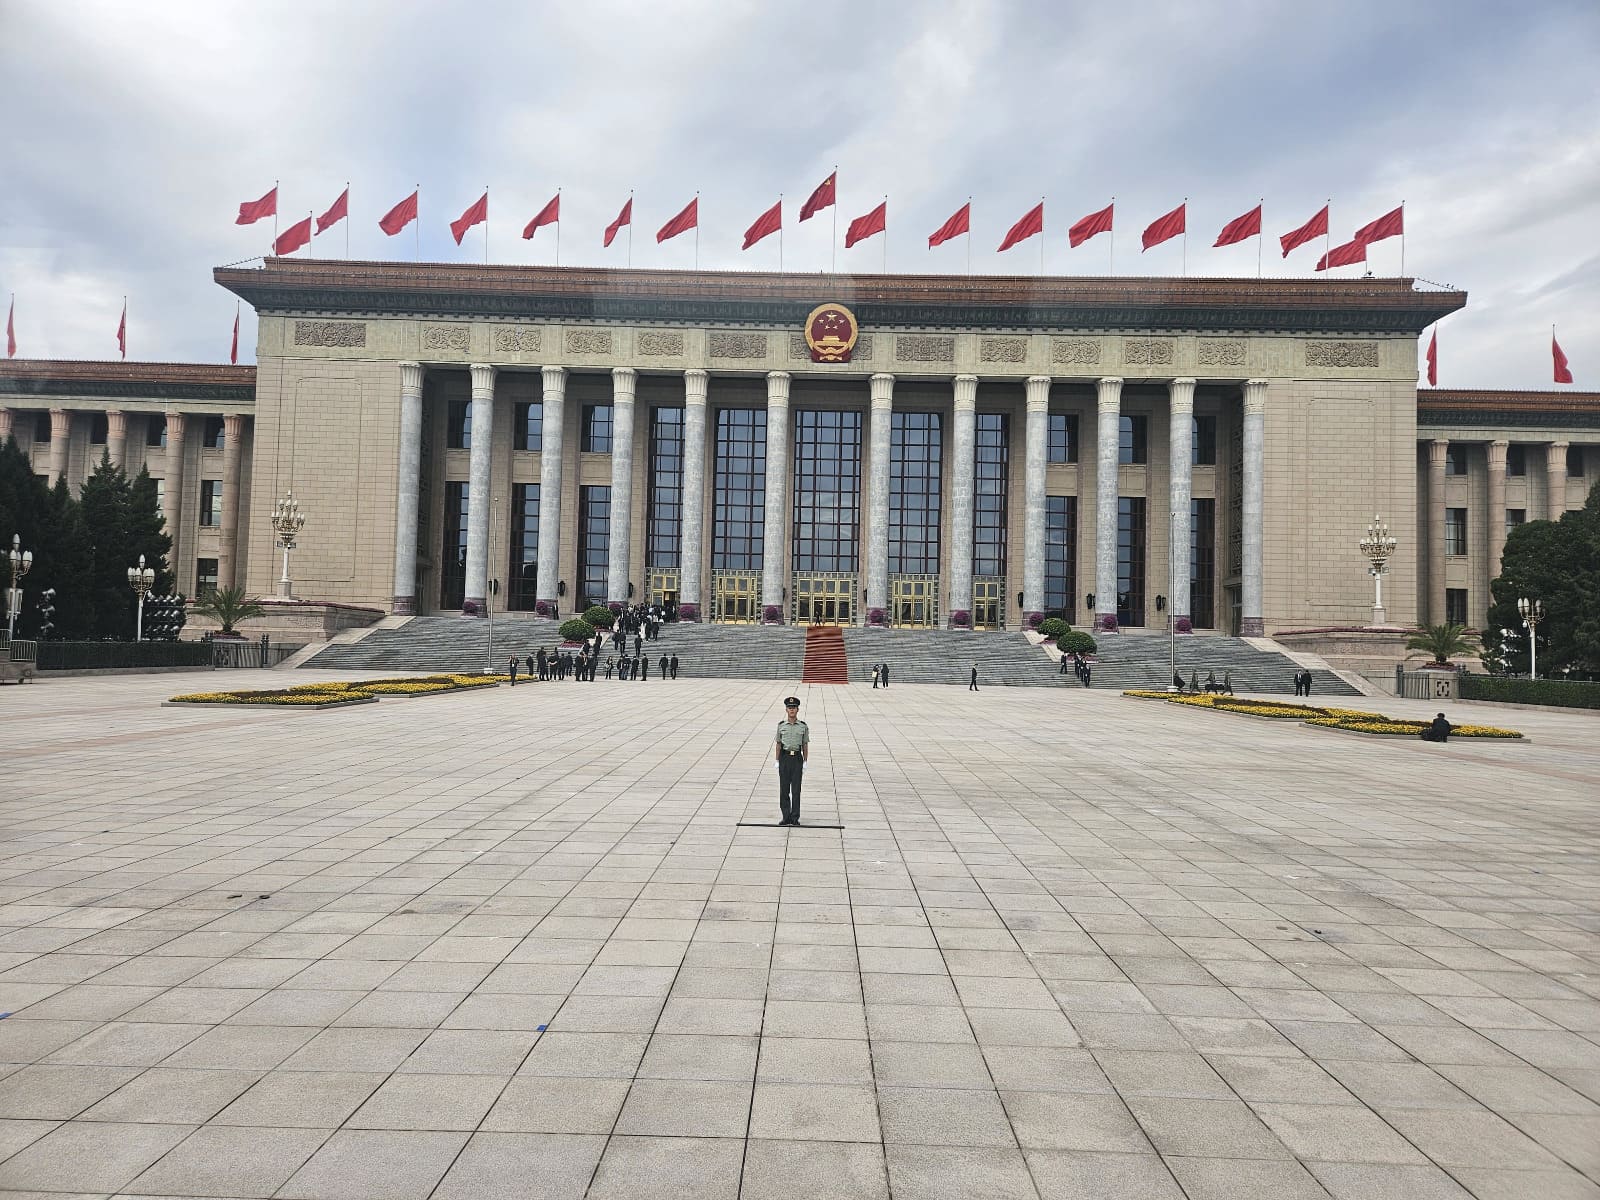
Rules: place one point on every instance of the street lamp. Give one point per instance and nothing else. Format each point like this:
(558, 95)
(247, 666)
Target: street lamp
(1378, 546)
(287, 522)
(21, 561)
(141, 579)
(1532, 613)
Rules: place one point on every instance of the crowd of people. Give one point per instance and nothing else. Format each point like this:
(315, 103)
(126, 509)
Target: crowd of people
(633, 628)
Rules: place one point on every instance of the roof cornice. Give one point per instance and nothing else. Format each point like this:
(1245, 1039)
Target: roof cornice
(127, 380)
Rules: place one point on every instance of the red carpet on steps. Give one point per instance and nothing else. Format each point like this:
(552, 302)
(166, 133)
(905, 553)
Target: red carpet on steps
(825, 660)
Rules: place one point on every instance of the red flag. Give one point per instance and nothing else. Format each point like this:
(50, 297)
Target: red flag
(548, 215)
(958, 224)
(1166, 228)
(233, 355)
(252, 211)
(122, 332)
(1032, 222)
(1314, 228)
(625, 217)
(767, 223)
(1240, 228)
(1563, 372)
(475, 215)
(1433, 359)
(1389, 225)
(822, 198)
(1096, 222)
(401, 215)
(688, 219)
(292, 238)
(861, 228)
(339, 211)
(1353, 251)
(11, 333)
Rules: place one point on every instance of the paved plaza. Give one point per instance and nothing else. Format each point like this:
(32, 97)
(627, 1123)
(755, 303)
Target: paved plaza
(515, 943)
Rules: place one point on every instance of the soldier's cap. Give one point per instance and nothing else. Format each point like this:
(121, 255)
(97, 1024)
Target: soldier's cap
(791, 701)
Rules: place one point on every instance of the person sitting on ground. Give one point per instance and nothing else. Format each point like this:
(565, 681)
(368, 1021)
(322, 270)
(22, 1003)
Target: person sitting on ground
(1437, 730)
(1177, 682)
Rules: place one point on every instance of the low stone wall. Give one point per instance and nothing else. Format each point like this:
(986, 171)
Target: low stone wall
(296, 621)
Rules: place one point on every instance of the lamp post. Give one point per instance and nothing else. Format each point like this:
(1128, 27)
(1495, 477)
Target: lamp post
(1378, 546)
(1532, 613)
(21, 561)
(287, 522)
(141, 579)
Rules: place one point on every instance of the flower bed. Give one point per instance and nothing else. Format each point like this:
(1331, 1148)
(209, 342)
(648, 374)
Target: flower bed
(1350, 720)
(280, 699)
(334, 694)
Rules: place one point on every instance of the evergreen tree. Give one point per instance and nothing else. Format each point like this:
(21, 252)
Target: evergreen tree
(1557, 563)
(60, 561)
(103, 506)
(147, 532)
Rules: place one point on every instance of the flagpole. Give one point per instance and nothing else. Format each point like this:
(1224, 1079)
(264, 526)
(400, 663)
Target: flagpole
(1041, 236)
(486, 224)
(630, 228)
(780, 233)
(969, 235)
(1186, 237)
(347, 220)
(418, 223)
(1327, 234)
(1402, 238)
(558, 227)
(697, 231)
(886, 233)
(1111, 262)
(274, 216)
(833, 242)
(1260, 235)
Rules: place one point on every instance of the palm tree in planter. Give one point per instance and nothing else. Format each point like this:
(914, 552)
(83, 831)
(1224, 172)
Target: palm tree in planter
(1442, 642)
(227, 607)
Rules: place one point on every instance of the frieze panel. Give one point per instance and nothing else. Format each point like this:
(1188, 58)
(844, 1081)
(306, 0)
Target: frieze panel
(1081, 351)
(1003, 349)
(1341, 354)
(737, 345)
(446, 337)
(525, 338)
(660, 343)
(924, 347)
(343, 334)
(1221, 352)
(800, 352)
(1147, 352)
(588, 341)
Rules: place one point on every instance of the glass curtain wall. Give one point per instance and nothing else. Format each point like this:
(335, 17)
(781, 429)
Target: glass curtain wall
(827, 491)
(989, 494)
(453, 547)
(1203, 563)
(594, 544)
(1130, 560)
(739, 489)
(1061, 556)
(664, 520)
(524, 572)
(915, 452)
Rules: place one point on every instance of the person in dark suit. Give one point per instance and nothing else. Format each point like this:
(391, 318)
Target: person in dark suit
(662, 664)
(513, 670)
(673, 664)
(644, 667)
(543, 663)
(972, 684)
(1437, 730)
(883, 673)
(1305, 689)
(1084, 675)
(638, 645)
(1065, 664)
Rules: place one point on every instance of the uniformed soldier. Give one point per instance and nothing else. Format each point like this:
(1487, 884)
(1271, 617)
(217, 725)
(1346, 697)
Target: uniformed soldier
(793, 748)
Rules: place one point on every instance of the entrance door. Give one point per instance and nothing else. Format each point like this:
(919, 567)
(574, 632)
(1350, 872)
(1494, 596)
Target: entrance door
(735, 597)
(988, 602)
(663, 587)
(914, 601)
(824, 599)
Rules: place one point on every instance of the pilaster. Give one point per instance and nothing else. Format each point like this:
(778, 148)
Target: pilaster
(408, 488)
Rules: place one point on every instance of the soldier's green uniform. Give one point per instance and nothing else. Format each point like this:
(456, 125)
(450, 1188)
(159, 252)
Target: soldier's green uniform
(792, 745)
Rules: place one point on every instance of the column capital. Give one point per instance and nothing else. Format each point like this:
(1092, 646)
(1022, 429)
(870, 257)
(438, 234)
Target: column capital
(1557, 446)
(1038, 392)
(482, 378)
(1255, 395)
(1438, 453)
(966, 388)
(555, 385)
(881, 386)
(232, 426)
(5, 423)
(116, 423)
(1180, 394)
(1497, 456)
(410, 377)
(1108, 392)
(695, 381)
(174, 425)
(60, 422)
(777, 388)
(622, 383)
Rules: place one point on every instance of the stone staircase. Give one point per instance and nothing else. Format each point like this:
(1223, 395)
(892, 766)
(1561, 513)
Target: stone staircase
(948, 656)
(826, 661)
(1134, 660)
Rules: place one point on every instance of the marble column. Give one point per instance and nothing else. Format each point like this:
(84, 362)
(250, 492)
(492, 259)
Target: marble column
(963, 481)
(479, 500)
(1180, 450)
(232, 453)
(1251, 616)
(775, 510)
(622, 390)
(5, 424)
(551, 453)
(117, 438)
(882, 418)
(1494, 520)
(1438, 456)
(1555, 476)
(408, 490)
(1036, 448)
(691, 558)
(172, 495)
(60, 442)
(1108, 441)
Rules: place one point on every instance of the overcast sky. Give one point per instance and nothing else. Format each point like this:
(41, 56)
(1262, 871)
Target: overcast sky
(131, 132)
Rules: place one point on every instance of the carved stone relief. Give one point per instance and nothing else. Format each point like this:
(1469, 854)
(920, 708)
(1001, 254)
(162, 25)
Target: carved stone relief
(1221, 352)
(800, 352)
(446, 337)
(588, 341)
(737, 345)
(1003, 349)
(518, 337)
(924, 347)
(330, 333)
(1084, 351)
(660, 343)
(1147, 352)
(1341, 354)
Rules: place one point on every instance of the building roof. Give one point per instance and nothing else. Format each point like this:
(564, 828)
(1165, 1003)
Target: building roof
(1513, 409)
(337, 286)
(126, 380)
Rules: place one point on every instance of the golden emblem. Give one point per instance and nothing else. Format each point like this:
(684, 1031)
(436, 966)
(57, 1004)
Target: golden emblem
(831, 332)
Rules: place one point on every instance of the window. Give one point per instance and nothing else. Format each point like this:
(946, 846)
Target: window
(1455, 531)
(1455, 606)
(594, 543)
(41, 427)
(1575, 462)
(1515, 517)
(528, 429)
(1455, 459)
(1130, 560)
(663, 531)
(155, 430)
(458, 427)
(214, 434)
(1205, 441)
(597, 429)
(827, 490)
(915, 450)
(1203, 564)
(205, 577)
(453, 545)
(739, 489)
(1060, 556)
(99, 433)
(524, 591)
(991, 461)
(211, 502)
(161, 496)
(1134, 444)
(1516, 459)
(1063, 438)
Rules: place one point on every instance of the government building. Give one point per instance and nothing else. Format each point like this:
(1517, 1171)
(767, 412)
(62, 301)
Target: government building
(904, 450)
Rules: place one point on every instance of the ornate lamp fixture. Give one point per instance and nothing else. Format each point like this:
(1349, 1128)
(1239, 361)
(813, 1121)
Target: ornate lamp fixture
(141, 579)
(1532, 613)
(21, 563)
(287, 522)
(1379, 547)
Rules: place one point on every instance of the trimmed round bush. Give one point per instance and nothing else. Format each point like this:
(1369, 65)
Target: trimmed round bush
(599, 616)
(1075, 641)
(1054, 627)
(576, 629)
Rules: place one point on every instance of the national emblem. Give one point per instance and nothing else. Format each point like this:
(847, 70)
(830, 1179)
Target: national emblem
(831, 332)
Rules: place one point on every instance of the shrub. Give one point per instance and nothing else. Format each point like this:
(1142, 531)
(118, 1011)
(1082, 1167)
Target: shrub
(1107, 623)
(576, 629)
(1184, 625)
(1075, 641)
(599, 616)
(1054, 627)
(875, 616)
(1563, 693)
(1441, 643)
(772, 614)
(960, 619)
(543, 608)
